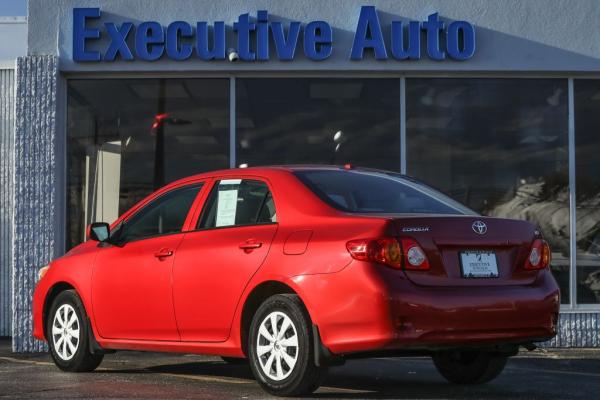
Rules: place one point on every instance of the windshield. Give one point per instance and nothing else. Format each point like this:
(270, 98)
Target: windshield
(378, 192)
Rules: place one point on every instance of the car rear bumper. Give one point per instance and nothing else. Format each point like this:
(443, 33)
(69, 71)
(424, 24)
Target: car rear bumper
(466, 315)
(369, 307)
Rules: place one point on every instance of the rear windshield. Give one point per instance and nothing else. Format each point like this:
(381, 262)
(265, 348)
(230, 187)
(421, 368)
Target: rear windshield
(378, 192)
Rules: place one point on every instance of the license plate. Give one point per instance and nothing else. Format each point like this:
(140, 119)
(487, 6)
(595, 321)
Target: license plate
(478, 264)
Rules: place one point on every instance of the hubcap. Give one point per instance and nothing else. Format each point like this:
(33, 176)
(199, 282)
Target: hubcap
(277, 346)
(65, 332)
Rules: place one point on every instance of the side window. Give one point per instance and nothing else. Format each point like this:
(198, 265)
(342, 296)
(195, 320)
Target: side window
(164, 215)
(234, 202)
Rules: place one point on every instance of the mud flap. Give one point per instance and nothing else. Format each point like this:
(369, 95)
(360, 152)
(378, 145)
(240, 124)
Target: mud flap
(323, 357)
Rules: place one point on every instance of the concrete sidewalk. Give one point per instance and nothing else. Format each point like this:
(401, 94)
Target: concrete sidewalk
(558, 374)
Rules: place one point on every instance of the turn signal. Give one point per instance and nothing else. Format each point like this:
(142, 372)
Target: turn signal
(383, 251)
(539, 256)
(414, 255)
(42, 271)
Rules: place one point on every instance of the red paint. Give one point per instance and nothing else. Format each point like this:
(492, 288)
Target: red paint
(190, 297)
(131, 283)
(207, 288)
(297, 242)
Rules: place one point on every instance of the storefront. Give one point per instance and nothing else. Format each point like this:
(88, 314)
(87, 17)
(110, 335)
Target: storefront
(495, 103)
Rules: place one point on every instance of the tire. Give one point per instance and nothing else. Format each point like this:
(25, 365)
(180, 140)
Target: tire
(469, 367)
(76, 357)
(286, 364)
(235, 360)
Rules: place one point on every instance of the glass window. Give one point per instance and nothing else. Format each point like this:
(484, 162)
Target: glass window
(319, 121)
(500, 146)
(587, 145)
(128, 137)
(162, 216)
(375, 192)
(235, 202)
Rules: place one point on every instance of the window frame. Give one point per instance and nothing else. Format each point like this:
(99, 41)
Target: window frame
(205, 200)
(121, 222)
(402, 78)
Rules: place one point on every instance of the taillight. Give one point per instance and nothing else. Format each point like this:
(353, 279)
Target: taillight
(388, 251)
(414, 256)
(384, 251)
(539, 255)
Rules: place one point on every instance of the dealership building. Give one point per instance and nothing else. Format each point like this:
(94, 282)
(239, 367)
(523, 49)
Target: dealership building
(496, 103)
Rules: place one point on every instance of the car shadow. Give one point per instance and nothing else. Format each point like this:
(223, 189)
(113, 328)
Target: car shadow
(358, 379)
(215, 369)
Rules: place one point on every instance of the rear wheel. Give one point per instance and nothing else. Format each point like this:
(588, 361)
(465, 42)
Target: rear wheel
(68, 335)
(469, 367)
(280, 348)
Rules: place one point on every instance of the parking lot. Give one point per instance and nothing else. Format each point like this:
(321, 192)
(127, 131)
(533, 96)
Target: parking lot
(560, 374)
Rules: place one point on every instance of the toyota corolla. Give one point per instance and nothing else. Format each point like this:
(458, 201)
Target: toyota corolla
(295, 269)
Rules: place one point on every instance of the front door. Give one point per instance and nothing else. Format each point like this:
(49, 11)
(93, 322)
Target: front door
(131, 282)
(215, 263)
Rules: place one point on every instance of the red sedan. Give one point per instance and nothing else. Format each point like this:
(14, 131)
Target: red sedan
(296, 268)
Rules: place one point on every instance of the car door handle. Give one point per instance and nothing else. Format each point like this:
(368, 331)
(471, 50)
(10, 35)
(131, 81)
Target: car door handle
(163, 253)
(250, 245)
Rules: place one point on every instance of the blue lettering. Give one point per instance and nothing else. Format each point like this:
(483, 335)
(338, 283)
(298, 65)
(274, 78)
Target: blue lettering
(285, 48)
(176, 49)
(368, 35)
(262, 35)
(81, 33)
(453, 39)
(149, 41)
(317, 40)
(218, 45)
(413, 52)
(433, 26)
(118, 44)
(243, 28)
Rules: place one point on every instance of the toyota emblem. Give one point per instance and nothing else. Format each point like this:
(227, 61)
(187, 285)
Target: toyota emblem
(479, 227)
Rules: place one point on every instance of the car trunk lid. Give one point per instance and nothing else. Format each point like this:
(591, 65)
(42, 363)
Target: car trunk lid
(445, 237)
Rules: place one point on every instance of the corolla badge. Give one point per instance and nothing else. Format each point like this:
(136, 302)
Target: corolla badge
(416, 229)
(479, 227)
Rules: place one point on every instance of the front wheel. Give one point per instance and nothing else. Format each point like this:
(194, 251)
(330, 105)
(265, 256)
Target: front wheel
(469, 367)
(280, 348)
(68, 336)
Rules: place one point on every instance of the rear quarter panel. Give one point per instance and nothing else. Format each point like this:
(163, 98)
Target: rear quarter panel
(311, 266)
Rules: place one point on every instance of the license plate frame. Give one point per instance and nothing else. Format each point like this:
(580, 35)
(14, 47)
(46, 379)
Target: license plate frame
(470, 258)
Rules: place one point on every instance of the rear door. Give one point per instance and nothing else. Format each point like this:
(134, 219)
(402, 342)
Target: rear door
(215, 262)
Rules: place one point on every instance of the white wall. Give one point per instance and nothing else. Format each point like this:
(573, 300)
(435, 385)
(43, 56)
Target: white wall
(13, 40)
(512, 35)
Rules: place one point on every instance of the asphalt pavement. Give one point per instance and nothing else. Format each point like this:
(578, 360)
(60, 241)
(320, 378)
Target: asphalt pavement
(541, 374)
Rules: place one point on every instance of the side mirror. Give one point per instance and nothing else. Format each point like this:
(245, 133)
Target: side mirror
(99, 231)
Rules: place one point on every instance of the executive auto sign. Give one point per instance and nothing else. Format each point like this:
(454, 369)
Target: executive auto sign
(180, 41)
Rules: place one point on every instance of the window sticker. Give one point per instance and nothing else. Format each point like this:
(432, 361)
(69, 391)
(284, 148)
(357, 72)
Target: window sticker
(227, 202)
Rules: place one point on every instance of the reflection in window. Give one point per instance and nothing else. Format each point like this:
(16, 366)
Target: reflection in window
(379, 193)
(587, 144)
(500, 147)
(162, 216)
(317, 120)
(128, 137)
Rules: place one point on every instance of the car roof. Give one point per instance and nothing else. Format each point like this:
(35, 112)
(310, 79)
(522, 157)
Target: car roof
(269, 169)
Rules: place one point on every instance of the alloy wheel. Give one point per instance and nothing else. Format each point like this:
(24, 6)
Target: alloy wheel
(65, 332)
(277, 346)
